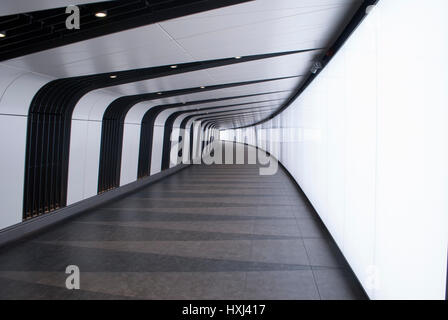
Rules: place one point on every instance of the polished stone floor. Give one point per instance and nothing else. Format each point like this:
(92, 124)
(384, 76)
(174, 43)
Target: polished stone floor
(207, 232)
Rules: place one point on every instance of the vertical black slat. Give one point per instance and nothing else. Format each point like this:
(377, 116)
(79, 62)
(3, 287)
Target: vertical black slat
(101, 177)
(35, 164)
(180, 142)
(39, 153)
(100, 169)
(148, 126)
(109, 154)
(111, 148)
(59, 155)
(114, 161)
(105, 166)
(202, 140)
(29, 167)
(191, 141)
(100, 174)
(38, 189)
(43, 158)
(46, 202)
(150, 140)
(112, 141)
(55, 140)
(166, 149)
(48, 162)
(53, 135)
(256, 137)
(54, 152)
(105, 154)
(63, 161)
(145, 151)
(142, 154)
(200, 128)
(119, 151)
(167, 143)
(110, 132)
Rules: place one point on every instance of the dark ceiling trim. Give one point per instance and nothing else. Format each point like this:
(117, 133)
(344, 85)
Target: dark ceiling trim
(112, 129)
(228, 114)
(198, 112)
(356, 20)
(36, 31)
(146, 138)
(235, 117)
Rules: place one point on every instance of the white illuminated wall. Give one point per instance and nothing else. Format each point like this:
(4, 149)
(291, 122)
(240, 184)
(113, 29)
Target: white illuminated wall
(368, 143)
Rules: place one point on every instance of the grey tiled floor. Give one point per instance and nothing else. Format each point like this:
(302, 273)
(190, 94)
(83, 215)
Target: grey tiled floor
(208, 232)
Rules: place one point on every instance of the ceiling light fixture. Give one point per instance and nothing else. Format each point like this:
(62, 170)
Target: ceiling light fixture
(101, 14)
(202, 87)
(173, 67)
(113, 76)
(2, 34)
(238, 57)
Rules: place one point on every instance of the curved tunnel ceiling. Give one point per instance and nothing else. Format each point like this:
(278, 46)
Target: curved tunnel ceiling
(145, 48)
(139, 73)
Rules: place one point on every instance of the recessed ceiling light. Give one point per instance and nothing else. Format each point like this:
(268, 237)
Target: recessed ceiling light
(101, 14)
(173, 67)
(2, 34)
(159, 92)
(202, 87)
(113, 76)
(237, 57)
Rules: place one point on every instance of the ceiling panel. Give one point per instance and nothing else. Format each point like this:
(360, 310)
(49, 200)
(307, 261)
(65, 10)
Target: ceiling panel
(269, 32)
(137, 48)
(253, 13)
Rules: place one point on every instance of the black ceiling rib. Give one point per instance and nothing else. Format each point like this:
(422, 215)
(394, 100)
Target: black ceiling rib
(184, 122)
(215, 116)
(144, 163)
(238, 117)
(35, 31)
(356, 20)
(58, 99)
(113, 122)
(168, 128)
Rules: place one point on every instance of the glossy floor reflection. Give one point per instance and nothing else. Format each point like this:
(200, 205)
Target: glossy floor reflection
(207, 232)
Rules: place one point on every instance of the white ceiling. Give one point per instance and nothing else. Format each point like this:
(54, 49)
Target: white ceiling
(257, 27)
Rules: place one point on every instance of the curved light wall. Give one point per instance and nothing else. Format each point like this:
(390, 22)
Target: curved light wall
(367, 142)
